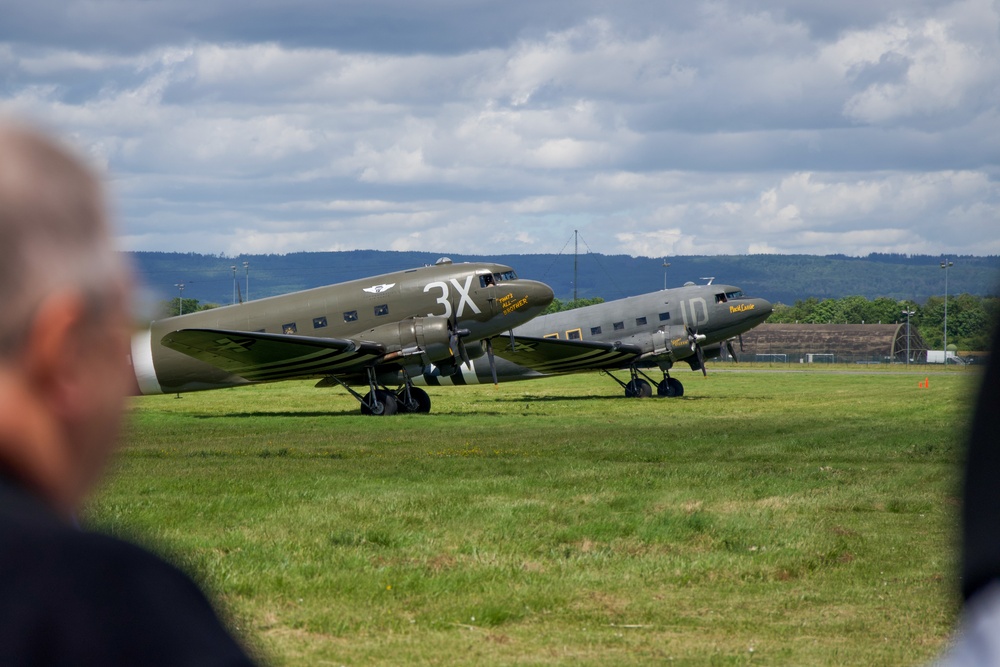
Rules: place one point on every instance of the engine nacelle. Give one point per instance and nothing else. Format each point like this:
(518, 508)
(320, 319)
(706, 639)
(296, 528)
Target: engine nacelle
(426, 338)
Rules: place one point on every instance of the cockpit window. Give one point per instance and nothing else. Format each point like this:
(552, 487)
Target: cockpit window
(738, 294)
(720, 298)
(505, 276)
(486, 280)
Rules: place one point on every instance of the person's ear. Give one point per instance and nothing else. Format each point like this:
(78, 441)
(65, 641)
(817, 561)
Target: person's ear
(53, 354)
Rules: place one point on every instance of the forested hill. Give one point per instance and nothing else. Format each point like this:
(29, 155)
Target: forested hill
(779, 278)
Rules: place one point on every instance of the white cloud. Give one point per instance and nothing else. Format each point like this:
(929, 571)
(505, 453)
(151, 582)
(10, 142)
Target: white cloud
(926, 69)
(710, 129)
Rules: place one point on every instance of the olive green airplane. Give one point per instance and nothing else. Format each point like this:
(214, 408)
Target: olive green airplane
(655, 330)
(370, 332)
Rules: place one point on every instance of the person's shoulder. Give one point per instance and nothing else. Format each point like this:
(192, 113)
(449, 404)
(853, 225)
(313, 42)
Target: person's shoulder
(38, 543)
(85, 593)
(163, 616)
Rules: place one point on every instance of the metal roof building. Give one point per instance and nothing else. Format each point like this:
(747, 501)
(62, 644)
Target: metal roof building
(881, 343)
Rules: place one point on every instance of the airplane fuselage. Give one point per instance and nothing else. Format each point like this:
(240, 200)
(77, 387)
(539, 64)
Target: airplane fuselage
(481, 299)
(717, 312)
(660, 326)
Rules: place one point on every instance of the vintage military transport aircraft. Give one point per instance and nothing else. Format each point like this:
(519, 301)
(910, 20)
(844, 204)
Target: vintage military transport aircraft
(368, 332)
(655, 330)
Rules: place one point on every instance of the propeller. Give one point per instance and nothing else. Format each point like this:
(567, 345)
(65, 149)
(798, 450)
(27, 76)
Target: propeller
(694, 338)
(493, 361)
(457, 345)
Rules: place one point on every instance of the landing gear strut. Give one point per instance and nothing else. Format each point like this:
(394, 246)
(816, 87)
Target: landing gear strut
(382, 402)
(378, 402)
(636, 387)
(412, 399)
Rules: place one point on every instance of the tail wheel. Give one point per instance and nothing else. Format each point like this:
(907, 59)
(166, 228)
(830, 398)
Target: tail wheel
(638, 389)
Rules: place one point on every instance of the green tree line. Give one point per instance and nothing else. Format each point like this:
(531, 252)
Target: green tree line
(970, 317)
(172, 307)
(559, 305)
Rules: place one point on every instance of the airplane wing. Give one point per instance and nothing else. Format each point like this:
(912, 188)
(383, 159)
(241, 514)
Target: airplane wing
(262, 357)
(553, 355)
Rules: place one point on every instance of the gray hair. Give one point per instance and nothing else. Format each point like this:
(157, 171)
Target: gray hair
(54, 232)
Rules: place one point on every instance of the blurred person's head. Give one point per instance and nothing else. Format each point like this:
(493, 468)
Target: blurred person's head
(64, 328)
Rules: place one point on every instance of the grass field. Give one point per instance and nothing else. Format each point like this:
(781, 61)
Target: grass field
(779, 518)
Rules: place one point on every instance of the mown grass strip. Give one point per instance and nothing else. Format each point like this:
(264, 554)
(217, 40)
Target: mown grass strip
(790, 518)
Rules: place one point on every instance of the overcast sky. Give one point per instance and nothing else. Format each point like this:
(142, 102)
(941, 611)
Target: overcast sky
(253, 126)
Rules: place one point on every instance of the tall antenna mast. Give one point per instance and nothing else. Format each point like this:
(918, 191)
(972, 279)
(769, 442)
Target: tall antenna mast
(576, 249)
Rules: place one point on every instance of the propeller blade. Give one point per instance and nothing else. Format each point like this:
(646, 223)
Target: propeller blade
(701, 359)
(465, 354)
(742, 349)
(456, 344)
(493, 361)
(732, 352)
(512, 342)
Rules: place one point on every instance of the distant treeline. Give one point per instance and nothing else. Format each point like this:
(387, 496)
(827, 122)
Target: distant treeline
(784, 278)
(558, 305)
(970, 317)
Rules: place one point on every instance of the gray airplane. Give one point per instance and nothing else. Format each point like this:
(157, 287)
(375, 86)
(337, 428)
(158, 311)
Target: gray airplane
(655, 330)
(370, 332)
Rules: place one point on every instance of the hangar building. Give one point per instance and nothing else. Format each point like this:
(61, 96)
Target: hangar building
(829, 343)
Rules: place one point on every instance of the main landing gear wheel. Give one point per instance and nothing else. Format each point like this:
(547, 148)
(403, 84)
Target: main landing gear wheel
(670, 388)
(638, 389)
(383, 405)
(419, 400)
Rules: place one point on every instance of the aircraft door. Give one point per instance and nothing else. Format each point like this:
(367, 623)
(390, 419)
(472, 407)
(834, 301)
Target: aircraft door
(486, 290)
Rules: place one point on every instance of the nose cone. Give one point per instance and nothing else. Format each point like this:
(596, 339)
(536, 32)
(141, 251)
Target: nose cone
(540, 294)
(762, 309)
(525, 300)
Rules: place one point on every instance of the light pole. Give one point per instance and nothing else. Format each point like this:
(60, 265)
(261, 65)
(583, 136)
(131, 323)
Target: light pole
(946, 265)
(246, 265)
(233, 267)
(665, 265)
(908, 312)
(180, 298)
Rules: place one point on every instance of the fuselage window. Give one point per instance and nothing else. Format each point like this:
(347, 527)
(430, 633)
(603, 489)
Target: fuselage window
(640, 321)
(289, 328)
(381, 310)
(351, 316)
(575, 334)
(595, 331)
(664, 317)
(319, 322)
(619, 326)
